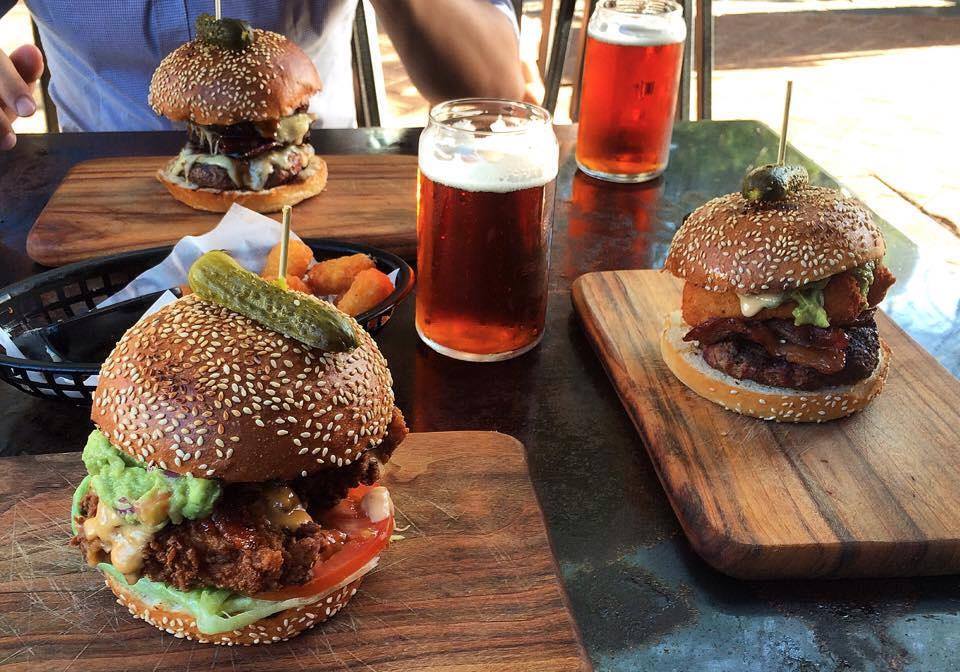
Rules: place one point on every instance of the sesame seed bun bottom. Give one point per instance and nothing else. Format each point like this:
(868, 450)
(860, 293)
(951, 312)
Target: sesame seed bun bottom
(276, 628)
(309, 182)
(762, 401)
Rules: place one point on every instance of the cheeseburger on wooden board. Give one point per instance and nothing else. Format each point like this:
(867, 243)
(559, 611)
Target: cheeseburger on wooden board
(244, 95)
(232, 494)
(782, 281)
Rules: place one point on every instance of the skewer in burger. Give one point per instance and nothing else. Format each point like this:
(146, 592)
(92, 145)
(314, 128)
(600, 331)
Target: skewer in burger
(782, 282)
(244, 94)
(232, 494)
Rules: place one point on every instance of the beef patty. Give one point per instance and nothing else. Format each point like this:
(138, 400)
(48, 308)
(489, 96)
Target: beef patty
(745, 359)
(208, 176)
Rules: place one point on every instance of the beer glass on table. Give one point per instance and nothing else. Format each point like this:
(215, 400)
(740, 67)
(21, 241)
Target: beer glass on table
(486, 180)
(631, 74)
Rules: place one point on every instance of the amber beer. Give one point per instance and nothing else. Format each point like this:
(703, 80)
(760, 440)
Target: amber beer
(631, 75)
(484, 216)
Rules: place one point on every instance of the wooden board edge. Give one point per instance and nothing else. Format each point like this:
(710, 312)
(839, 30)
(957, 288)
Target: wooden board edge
(702, 538)
(515, 446)
(47, 252)
(737, 557)
(585, 662)
(37, 246)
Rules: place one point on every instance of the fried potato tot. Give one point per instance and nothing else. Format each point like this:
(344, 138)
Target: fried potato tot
(299, 256)
(882, 280)
(369, 288)
(841, 299)
(335, 276)
(293, 282)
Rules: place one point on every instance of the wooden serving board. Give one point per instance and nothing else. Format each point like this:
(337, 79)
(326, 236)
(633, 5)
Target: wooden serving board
(471, 588)
(875, 494)
(114, 205)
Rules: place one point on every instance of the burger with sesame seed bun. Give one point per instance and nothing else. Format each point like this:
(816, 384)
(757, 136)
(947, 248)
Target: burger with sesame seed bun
(781, 283)
(232, 493)
(244, 94)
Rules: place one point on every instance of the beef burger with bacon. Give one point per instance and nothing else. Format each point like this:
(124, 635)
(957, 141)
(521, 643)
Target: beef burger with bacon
(244, 94)
(781, 284)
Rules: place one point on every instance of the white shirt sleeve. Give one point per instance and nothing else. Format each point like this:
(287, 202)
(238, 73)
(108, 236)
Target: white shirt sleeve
(506, 6)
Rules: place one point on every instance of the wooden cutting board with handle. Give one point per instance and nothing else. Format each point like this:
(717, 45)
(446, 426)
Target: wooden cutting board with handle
(105, 206)
(472, 586)
(875, 494)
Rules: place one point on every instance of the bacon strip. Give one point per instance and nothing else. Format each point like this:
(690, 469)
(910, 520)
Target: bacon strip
(820, 349)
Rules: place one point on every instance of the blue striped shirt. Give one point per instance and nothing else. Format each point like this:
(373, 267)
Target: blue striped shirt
(102, 53)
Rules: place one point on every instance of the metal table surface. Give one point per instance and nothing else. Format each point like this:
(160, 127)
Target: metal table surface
(642, 599)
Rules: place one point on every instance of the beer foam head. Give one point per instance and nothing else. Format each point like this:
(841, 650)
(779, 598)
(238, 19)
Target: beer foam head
(638, 23)
(507, 155)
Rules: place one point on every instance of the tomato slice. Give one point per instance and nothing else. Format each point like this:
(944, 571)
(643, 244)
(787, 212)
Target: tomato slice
(365, 540)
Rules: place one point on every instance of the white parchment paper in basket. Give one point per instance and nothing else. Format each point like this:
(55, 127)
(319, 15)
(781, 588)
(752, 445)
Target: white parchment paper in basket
(245, 235)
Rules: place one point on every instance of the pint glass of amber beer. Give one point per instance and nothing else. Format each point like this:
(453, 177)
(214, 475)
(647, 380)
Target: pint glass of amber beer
(631, 73)
(484, 213)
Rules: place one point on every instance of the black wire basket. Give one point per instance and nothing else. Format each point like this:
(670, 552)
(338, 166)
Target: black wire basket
(56, 296)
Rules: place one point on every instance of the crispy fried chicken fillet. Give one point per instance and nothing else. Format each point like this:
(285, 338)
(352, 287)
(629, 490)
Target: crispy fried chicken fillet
(841, 297)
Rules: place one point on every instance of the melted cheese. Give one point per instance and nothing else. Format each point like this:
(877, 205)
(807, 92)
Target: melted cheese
(293, 128)
(283, 508)
(262, 167)
(180, 168)
(124, 542)
(259, 169)
(377, 504)
(751, 304)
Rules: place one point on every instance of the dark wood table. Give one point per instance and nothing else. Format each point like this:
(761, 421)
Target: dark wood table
(642, 599)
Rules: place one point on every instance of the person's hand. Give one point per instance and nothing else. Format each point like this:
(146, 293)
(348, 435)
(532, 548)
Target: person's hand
(19, 73)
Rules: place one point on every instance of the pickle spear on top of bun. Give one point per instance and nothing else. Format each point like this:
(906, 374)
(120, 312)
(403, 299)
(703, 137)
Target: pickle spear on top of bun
(781, 283)
(232, 494)
(244, 94)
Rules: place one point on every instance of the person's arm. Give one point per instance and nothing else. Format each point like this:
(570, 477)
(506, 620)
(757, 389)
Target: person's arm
(19, 73)
(455, 48)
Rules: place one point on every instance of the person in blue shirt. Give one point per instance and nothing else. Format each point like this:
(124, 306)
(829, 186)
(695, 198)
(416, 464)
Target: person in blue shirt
(102, 53)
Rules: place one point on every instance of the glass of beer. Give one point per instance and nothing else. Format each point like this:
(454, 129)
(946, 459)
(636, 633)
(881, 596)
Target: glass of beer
(487, 175)
(631, 73)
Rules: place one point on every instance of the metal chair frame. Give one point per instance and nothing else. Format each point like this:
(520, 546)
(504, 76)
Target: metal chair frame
(369, 93)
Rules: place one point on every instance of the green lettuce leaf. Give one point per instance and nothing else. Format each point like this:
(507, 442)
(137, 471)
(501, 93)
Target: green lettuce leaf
(215, 610)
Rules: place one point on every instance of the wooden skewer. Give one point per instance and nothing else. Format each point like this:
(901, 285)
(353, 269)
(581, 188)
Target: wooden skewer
(284, 247)
(216, 9)
(782, 154)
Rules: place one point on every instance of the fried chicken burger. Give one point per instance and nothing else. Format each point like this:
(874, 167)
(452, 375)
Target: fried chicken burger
(232, 494)
(781, 286)
(244, 94)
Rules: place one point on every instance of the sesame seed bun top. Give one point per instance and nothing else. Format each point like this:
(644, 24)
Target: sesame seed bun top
(208, 84)
(198, 389)
(730, 244)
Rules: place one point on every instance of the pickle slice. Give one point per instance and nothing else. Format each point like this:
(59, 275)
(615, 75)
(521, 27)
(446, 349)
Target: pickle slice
(232, 34)
(773, 182)
(217, 277)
